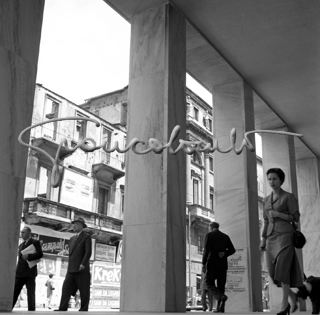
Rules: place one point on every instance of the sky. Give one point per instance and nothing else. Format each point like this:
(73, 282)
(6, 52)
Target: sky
(84, 50)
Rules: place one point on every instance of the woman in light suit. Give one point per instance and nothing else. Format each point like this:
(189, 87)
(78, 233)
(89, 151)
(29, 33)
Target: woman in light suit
(281, 208)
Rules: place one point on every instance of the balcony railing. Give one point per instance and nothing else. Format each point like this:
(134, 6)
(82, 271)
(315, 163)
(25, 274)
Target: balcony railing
(57, 212)
(201, 212)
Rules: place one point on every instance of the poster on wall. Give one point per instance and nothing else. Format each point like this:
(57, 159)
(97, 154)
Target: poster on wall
(77, 190)
(105, 253)
(237, 279)
(106, 280)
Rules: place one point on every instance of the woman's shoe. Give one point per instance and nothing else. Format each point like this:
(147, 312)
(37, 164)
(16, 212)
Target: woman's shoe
(286, 311)
(294, 308)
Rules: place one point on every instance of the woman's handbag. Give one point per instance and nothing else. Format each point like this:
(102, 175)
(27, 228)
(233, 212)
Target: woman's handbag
(298, 238)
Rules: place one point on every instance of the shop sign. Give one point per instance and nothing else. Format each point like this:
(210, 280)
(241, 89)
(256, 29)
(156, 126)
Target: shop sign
(105, 253)
(53, 245)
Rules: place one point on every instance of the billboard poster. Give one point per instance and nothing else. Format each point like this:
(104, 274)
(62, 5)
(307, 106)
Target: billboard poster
(105, 253)
(106, 275)
(77, 190)
(106, 280)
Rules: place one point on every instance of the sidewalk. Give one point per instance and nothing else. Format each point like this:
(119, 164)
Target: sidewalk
(116, 312)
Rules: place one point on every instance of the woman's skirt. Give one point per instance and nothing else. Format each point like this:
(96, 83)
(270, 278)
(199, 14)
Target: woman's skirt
(282, 260)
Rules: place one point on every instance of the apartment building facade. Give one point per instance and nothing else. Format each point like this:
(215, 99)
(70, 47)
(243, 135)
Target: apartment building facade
(93, 184)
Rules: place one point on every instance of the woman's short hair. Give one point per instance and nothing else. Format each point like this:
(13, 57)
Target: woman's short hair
(279, 172)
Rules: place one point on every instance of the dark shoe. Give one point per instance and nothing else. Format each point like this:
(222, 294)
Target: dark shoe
(223, 298)
(221, 309)
(294, 308)
(286, 311)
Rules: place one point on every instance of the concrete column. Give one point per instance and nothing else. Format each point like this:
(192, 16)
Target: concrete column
(278, 151)
(206, 181)
(20, 30)
(236, 198)
(154, 251)
(308, 176)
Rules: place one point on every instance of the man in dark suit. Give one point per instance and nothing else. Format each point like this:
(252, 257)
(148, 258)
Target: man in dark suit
(217, 248)
(78, 273)
(24, 274)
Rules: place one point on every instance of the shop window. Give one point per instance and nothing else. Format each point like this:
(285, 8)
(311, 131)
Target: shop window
(103, 202)
(195, 192)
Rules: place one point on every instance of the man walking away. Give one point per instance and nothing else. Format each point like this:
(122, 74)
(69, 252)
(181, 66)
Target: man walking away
(217, 248)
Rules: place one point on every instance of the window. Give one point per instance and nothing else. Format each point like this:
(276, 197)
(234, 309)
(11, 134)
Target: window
(209, 124)
(200, 240)
(211, 198)
(51, 112)
(196, 157)
(211, 163)
(196, 113)
(103, 201)
(43, 182)
(195, 192)
(124, 114)
(204, 121)
(44, 189)
(81, 128)
(106, 137)
(122, 201)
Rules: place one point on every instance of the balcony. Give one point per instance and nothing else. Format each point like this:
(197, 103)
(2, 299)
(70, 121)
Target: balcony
(201, 215)
(40, 211)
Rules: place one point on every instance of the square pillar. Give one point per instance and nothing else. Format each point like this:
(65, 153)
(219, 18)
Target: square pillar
(20, 30)
(308, 177)
(278, 152)
(154, 249)
(236, 197)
